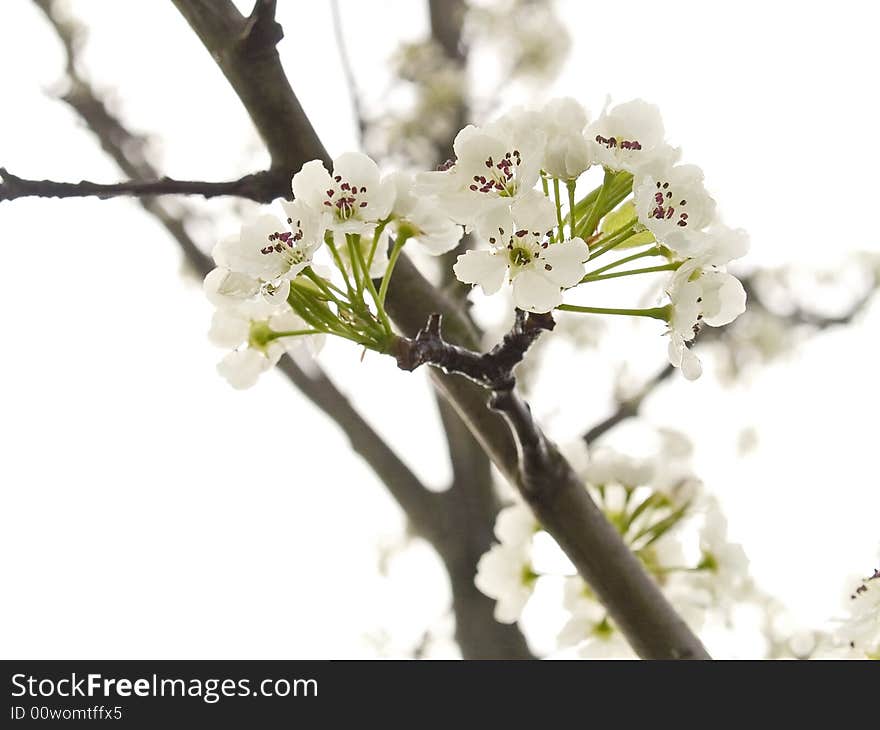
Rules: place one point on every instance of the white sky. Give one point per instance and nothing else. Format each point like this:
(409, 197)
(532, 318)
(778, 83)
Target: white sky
(149, 511)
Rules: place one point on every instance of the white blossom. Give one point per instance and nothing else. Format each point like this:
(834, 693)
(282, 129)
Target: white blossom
(611, 467)
(494, 165)
(629, 137)
(242, 368)
(268, 250)
(606, 642)
(724, 565)
(227, 289)
(516, 525)
(718, 245)
(428, 225)
(351, 200)
(537, 269)
(699, 296)
(674, 201)
(585, 612)
(566, 153)
(505, 574)
(245, 329)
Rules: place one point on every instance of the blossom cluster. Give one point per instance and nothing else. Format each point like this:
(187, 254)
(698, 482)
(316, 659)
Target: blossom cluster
(663, 514)
(514, 183)
(284, 284)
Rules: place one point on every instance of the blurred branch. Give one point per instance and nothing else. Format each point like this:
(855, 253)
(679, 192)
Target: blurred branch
(264, 187)
(348, 72)
(801, 316)
(629, 407)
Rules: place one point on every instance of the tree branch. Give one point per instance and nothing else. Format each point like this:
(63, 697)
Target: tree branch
(245, 50)
(354, 96)
(629, 407)
(263, 187)
(556, 494)
(493, 370)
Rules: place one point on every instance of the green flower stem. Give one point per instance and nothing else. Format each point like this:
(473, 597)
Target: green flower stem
(654, 313)
(654, 500)
(292, 333)
(629, 272)
(653, 251)
(615, 238)
(658, 529)
(596, 211)
(307, 307)
(328, 239)
(376, 236)
(392, 262)
(544, 184)
(300, 304)
(622, 186)
(371, 287)
(572, 213)
(319, 316)
(353, 243)
(325, 286)
(560, 233)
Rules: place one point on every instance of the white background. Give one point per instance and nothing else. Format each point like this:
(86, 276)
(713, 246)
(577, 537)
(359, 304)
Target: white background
(150, 511)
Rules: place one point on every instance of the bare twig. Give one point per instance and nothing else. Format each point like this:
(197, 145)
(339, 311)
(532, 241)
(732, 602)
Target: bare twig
(354, 95)
(629, 407)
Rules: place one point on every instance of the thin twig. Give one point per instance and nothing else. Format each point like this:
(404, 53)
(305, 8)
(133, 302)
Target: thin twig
(354, 95)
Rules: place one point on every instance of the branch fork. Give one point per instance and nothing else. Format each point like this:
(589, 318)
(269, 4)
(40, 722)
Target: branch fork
(493, 370)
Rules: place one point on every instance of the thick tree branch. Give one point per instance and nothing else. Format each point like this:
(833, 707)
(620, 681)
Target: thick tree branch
(557, 495)
(245, 50)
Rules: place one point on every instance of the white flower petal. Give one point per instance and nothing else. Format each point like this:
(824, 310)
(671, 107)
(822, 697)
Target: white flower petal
(311, 183)
(566, 260)
(535, 292)
(486, 268)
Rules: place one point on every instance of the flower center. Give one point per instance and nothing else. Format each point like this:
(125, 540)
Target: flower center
(501, 176)
(665, 206)
(519, 256)
(615, 143)
(286, 243)
(345, 199)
